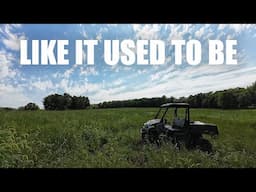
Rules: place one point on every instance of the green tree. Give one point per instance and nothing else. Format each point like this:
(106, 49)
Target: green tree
(31, 106)
(243, 99)
(227, 100)
(65, 101)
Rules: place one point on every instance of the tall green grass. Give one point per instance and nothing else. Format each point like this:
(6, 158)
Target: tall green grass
(111, 138)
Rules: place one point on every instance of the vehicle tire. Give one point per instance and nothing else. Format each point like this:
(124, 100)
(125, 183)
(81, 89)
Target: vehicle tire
(190, 141)
(153, 137)
(204, 145)
(144, 138)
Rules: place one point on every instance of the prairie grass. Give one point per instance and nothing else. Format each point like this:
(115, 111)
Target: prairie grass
(110, 138)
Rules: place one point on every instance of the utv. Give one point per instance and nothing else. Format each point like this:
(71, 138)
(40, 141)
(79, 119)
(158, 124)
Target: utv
(179, 129)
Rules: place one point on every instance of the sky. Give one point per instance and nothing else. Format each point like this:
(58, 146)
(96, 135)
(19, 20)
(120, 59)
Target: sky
(21, 84)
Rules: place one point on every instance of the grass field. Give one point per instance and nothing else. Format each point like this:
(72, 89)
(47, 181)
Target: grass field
(111, 138)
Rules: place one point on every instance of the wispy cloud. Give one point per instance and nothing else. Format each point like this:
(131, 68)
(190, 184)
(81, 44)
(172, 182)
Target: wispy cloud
(75, 88)
(6, 60)
(10, 38)
(99, 36)
(43, 85)
(86, 71)
(146, 31)
(238, 28)
(11, 96)
(102, 82)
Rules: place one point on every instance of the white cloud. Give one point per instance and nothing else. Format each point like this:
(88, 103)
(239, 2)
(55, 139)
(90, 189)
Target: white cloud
(147, 31)
(76, 88)
(200, 32)
(238, 28)
(141, 71)
(69, 71)
(112, 25)
(155, 81)
(160, 74)
(10, 38)
(179, 82)
(6, 60)
(55, 75)
(117, 82)
(171, 81)
(99, 37)
(221, 26)
(84, 34)
(120, 68)
(103, 29)
(43, 85)
(12, 96)
(108, 94)
(203, 79)
(177, 31)
(86, 71)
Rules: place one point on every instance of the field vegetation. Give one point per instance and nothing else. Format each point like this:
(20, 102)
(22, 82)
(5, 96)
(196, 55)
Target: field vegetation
(100, 138)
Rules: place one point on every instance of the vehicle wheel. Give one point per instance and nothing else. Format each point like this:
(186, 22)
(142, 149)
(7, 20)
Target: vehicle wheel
(205, 145)
(153, 137)
(144, 138)
(190, 141)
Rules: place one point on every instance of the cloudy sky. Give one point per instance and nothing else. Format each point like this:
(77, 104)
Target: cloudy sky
(20, 84)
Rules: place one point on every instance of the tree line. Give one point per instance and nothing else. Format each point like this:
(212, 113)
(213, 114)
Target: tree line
(234, 98)
(60, 102)
(65, 101)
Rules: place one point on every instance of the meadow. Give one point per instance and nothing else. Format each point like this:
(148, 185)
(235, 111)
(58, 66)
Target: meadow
(110, 138)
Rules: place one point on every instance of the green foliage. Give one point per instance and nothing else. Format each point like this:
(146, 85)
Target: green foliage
(30, 106)
(7, 108)
(21, 108)
(226, 99)
(111, 138)
(65, 101)
(14, 149)
(143, 102)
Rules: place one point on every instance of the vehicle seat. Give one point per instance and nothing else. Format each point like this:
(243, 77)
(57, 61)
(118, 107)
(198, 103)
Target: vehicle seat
(178, 123)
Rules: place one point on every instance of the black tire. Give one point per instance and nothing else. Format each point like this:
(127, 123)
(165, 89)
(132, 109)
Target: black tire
(190, 141)
(144, 138)
(204, 145)
(153, 137)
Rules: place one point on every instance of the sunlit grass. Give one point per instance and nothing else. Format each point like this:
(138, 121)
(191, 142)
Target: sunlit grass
(111, 138)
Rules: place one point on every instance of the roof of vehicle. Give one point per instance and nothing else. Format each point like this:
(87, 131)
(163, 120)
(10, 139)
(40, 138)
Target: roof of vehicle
(174, 105)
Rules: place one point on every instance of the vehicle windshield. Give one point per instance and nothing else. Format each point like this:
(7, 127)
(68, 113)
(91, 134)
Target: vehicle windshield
(172, 114)
(181, 113)
(160, 113)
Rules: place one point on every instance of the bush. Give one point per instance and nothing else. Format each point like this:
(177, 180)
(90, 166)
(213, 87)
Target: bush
(31, 106)
(63, 102)
(21, 108)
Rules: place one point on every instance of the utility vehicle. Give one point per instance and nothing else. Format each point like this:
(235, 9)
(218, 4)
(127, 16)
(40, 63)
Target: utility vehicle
(178, 128)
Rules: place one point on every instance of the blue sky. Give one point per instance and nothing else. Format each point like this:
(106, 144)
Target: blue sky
(20, 84)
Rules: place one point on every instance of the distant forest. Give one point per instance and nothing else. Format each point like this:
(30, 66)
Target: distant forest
(235, 98)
